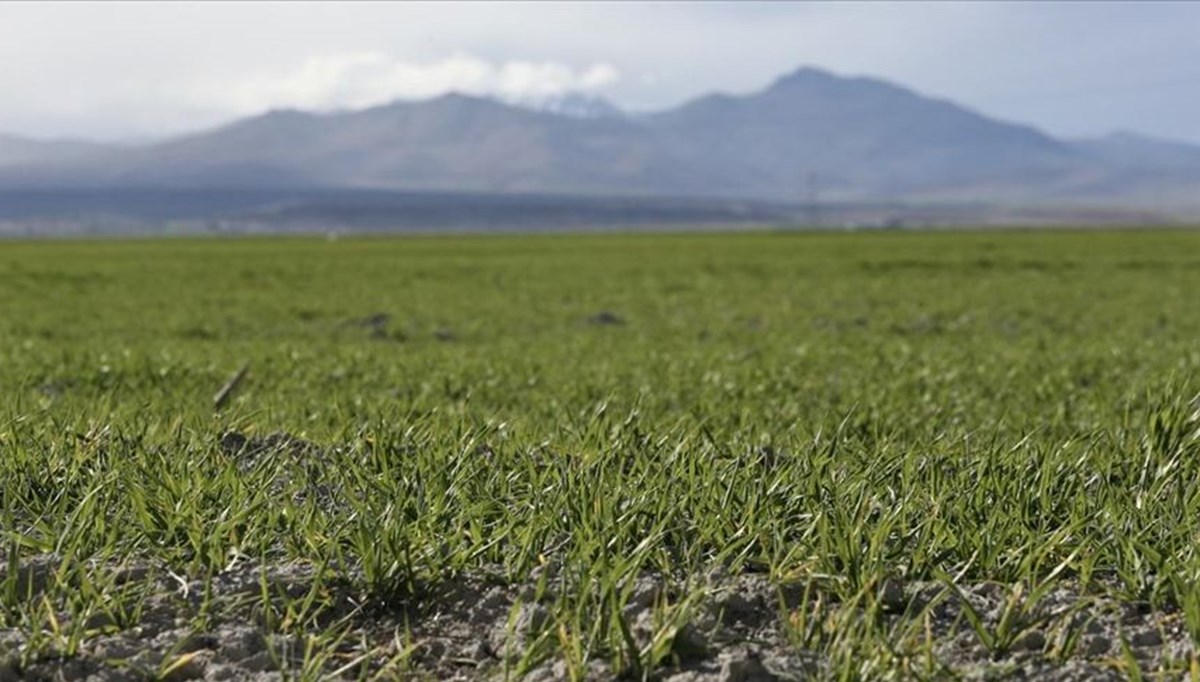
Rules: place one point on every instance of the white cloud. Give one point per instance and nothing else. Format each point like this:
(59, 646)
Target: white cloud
(361, 79)
(598, 76)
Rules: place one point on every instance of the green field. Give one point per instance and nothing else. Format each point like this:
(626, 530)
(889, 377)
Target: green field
(841, 412)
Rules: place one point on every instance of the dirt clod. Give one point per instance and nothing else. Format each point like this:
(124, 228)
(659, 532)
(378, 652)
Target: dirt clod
(745, 668)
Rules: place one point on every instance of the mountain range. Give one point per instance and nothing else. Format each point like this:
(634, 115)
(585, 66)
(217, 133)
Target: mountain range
(810, 136)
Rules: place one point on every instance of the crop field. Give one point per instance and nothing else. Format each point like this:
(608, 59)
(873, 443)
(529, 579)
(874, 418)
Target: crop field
(733, 457)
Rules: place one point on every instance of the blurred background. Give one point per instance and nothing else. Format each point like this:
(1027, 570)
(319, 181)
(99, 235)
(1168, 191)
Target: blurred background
(330, 117)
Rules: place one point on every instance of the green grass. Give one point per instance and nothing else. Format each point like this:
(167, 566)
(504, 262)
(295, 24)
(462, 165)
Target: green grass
(1017, 407)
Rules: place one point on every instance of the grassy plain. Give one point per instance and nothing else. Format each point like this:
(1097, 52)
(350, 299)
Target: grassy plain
(832, 410)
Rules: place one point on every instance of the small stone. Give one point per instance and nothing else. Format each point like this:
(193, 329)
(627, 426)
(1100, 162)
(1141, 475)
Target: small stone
(196, 642)
(1146, 638)
(689, 676)
(494, 602)
(1135, 611)
(131, 574)
(549, 672)
(1096, 645)
(990, 591)
(146, 659)
(260, 663)
(745, 669)
(479, 651)
(240, 644)
(646, 591)
(891, 596)
(100, 621)
(34, 575)
(597, 671)
(1033, 640)
(74, 669)
(192, 668)
(734, 606)
(222, 671)
(689, 644)
(530, 620)
(792, 666)
(432, 649)
(643, 627)
(116, 650)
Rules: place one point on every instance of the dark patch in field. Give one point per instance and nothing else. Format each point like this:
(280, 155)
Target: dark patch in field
(248, 449)
(307, 477)
(606, 318)
(197, 334)
(841, 325)
(56, 387)
(1156, 265)
(375, 324)
(977, 265)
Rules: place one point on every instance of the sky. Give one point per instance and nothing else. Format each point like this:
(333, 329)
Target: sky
(135, 71)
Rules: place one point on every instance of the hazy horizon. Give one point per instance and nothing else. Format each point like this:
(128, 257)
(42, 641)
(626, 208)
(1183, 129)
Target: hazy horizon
(124, 71)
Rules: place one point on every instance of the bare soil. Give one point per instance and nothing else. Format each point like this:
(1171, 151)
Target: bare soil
(469, 629)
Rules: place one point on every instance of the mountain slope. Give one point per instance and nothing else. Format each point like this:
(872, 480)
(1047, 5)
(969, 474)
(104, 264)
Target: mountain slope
(1131, 150)
(856, 137)
(808, 136)
(453, 142)
(16, 150)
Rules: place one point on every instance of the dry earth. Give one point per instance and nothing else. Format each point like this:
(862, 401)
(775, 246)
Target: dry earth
(469, 629)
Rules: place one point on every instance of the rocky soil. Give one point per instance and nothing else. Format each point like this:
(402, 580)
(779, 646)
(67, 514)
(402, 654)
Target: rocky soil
(745, 628)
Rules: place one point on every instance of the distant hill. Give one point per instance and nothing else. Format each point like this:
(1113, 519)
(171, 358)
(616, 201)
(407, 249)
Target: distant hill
(454, 142)
(809, 136)
(1131, 150)
(856, 138)
(22, 151)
